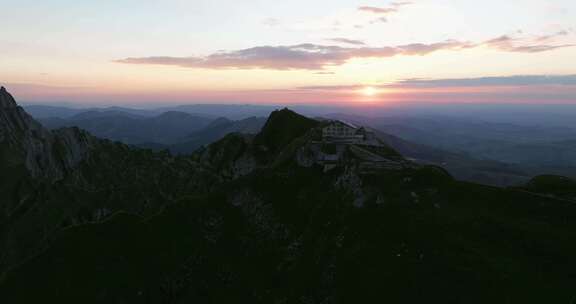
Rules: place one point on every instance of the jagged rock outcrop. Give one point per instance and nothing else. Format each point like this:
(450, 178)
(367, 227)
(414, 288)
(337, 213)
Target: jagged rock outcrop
(46, 155)
(6, 100)
(55, 179)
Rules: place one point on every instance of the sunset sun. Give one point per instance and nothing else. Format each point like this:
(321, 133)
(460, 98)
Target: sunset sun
(369, 91)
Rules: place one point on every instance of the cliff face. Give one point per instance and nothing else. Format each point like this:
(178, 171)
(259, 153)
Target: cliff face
(54, 179)
(46, 155)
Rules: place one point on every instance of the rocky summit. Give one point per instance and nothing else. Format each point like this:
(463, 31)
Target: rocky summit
(305, 211)
(45, 154)
(6, 100)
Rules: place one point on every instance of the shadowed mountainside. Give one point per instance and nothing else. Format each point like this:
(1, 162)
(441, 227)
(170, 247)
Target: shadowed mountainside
(262, 219)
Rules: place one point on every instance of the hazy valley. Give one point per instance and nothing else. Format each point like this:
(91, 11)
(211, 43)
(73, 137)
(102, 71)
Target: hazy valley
(483, 149)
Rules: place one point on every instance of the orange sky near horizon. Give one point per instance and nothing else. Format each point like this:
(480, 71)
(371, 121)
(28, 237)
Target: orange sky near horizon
(173, 51)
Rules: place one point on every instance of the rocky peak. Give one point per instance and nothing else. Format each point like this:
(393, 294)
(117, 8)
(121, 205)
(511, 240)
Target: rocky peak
(6, 99)
(290, 139)
(45, 154)
(15, 123)
(284, 126)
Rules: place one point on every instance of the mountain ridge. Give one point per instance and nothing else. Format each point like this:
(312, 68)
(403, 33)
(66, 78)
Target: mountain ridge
(287, 215)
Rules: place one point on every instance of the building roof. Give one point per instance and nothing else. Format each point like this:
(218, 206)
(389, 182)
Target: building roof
(348, 124)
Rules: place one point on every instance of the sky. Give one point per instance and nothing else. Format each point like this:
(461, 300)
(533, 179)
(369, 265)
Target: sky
(292, 52)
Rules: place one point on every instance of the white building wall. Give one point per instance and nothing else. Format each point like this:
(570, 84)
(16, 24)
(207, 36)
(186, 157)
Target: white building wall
(337, 129)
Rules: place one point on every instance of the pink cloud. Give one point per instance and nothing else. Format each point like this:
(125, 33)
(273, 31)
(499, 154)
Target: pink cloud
(393, 8)
(295, 57)
(383, 12)
(318, 57)
(347, 41)
(528, 45)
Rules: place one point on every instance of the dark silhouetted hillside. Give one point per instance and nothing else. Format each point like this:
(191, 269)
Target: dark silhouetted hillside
(283, 216)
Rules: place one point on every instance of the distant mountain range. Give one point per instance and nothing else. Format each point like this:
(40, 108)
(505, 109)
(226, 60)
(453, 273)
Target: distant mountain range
(178, 131)
(215, 131)
(166, 128)
(44, 111)
(235, 112)
(489, 153)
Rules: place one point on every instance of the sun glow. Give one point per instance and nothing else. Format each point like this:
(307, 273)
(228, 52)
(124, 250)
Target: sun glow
(369, 91)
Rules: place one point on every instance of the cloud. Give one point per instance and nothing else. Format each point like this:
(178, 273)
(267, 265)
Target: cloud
(383, 12)
(271, 22)
(527, 45)
(379, 20)
(496, 81)
(352, 87)
(518, 80)
(347, 41)
(295, 57)
(393, 8)
(378, 10)
(318, 57)
(544, 38)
